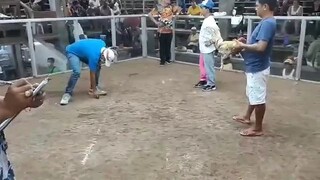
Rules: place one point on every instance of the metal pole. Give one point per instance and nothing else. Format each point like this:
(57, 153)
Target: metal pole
(113, 32)
(144, 37)
(249, 29)
(143, 6)
(173, 42)
(301, 47)
(32, 49)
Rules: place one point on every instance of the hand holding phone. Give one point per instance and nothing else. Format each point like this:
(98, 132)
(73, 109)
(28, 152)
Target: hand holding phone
(39, 89)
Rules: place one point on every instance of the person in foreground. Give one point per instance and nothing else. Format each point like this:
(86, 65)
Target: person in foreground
(17, 98)
(209, 40)
(94, 53)
(257, 54)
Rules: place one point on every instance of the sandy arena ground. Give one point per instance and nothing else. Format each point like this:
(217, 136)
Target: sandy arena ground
(155, 125)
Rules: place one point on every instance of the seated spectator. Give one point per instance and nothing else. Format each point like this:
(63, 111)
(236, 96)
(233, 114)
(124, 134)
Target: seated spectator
(105, 10)
(285, 6)
(194, 9)
(316, 8)
(313, 53)
(95, 3)
(92, 10)
(51, 66)
(76, 10)
(296, 10)
(193, 40)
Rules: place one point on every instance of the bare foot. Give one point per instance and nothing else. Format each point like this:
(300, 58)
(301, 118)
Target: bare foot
(251, 132)
(241, 119)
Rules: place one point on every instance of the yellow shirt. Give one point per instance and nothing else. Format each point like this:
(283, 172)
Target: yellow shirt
(194, 11)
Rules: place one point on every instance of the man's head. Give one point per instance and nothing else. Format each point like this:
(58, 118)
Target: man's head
(266, 8)
(193, 30)
(296, 3)
(206, 6)
(108, 56)
(193, 3)
(50, 61)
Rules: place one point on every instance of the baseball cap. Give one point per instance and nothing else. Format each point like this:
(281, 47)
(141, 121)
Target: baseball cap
(209, 4)
(109, 55)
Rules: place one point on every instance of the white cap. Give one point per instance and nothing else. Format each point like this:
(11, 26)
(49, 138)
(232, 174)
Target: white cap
(109, 56)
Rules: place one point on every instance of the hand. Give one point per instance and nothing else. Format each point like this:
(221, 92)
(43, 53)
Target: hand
(237, 48)
(93, 93)
(242, 39)
(19, 97)
(208, 43)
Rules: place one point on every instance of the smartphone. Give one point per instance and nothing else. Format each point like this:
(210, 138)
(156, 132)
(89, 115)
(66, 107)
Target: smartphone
(40, 87)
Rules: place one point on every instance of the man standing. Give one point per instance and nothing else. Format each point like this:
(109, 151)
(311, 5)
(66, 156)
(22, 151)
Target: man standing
(209, 40)
(92, 52)
(257, 54)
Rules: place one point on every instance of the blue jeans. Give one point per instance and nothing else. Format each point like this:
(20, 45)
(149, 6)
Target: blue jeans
(209, 66)
(182, 4)
(75, 65)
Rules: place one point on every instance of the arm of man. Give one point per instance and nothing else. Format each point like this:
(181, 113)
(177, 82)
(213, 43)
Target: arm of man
(93, 66)
(264, 36)
(214, 36)
(151, 14)
(93, 81)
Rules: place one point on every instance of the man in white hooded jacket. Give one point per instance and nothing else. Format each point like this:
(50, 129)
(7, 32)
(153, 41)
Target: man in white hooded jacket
(209, 40)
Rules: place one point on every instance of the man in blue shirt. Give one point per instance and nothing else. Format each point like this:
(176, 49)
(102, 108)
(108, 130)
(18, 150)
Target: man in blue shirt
(257, 54)
(92, 52)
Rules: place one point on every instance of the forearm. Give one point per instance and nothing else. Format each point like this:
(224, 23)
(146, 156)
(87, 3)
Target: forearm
(93, 80)
(152, 18)
(252, 47)
(4, 112)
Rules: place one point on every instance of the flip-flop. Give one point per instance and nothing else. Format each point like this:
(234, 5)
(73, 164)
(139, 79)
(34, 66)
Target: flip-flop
(240, 120)
(250, 133)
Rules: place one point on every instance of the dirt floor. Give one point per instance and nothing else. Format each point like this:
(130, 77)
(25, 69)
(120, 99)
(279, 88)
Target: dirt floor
(155, 125)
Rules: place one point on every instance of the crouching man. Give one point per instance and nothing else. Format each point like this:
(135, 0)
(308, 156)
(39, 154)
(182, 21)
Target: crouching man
(94, 53)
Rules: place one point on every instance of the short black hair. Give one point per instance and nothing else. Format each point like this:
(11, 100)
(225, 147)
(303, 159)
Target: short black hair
(273, 4)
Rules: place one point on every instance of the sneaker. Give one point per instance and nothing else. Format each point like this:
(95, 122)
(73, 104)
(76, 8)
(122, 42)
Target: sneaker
(162, 64)
(168, 62)
(200, 84)
(65, 99)
(101, 92)
(209, 88)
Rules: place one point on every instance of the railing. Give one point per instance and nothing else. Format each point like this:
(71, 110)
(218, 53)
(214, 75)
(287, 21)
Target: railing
(144, 31)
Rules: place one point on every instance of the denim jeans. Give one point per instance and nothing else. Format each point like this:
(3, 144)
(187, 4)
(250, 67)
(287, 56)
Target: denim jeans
(75, 65)
(209, 66)
(182, 4)
(6, 171)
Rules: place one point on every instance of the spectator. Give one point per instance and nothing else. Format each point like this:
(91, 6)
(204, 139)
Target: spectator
(193, 40)
(76, 10)
(296, 10)
(51, 66)
(17, 98)
(313, 53)
(165, 11)
(95, 3)
(194, 9)
(316, 7)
